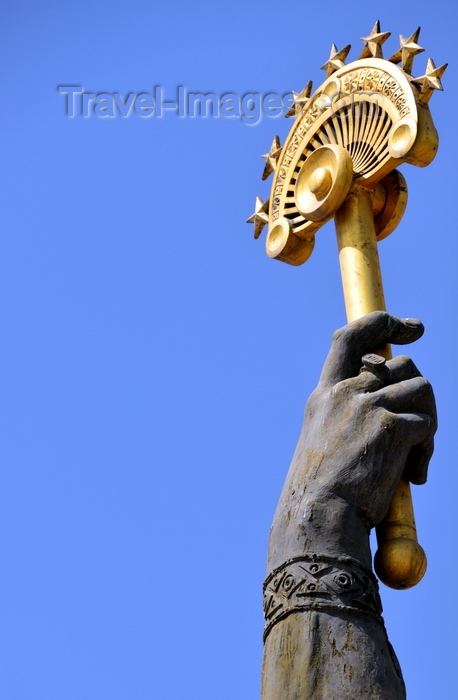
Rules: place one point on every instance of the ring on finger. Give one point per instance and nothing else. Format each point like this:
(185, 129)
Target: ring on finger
(375, 364)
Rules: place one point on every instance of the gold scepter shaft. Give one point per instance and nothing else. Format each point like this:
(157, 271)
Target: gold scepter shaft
(339, 161)
(400, 561)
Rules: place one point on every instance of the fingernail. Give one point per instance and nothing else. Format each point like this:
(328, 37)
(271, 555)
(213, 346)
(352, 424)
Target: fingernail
(412, 322)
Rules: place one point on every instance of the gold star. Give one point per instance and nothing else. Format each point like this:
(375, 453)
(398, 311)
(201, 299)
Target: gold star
(373, 42)
(336, 59)
(430, 81)
(260, 217)
(271, 158)
(301, 101)
(409, 48)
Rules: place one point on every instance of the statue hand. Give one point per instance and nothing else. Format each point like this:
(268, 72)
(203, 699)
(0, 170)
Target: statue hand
(362, 430)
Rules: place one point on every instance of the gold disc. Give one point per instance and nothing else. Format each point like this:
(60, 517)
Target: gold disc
(323, 182)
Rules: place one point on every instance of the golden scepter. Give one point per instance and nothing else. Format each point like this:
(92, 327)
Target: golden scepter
(339, 161)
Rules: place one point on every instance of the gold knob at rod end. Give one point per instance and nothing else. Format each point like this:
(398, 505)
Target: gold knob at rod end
(400, 563)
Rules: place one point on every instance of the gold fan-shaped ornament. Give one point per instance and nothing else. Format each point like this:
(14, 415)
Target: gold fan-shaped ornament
(373, 112)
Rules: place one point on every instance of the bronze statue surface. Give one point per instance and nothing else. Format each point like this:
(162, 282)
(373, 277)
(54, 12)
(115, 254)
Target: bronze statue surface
(366, 424)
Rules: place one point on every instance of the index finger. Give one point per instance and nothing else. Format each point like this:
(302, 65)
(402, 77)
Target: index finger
(362, 336)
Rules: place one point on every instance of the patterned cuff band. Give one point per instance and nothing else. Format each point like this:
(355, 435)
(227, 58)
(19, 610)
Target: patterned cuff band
(320, 583)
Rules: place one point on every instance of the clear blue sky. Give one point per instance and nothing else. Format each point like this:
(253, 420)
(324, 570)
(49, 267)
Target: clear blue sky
(155, 363)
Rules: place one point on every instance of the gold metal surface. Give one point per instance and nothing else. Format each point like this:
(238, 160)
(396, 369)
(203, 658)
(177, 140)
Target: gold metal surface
(430, 81)
(407, 51)
(301, 100)
(400, 561)
(282, 244)
(373, 42)
(358, 255)
(389, 201)
(336, 59)
(260, 217)
(375, 112)
(380, 130)
(271, 158)
(323, 182)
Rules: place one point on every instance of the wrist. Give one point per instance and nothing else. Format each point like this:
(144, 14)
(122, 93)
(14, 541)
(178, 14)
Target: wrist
(319, 583)
(325, 525)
